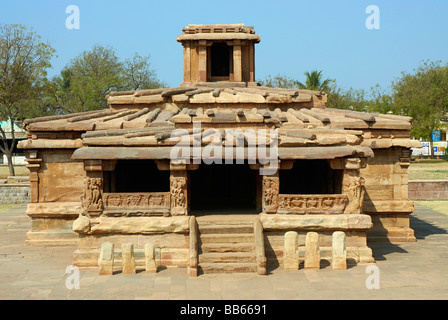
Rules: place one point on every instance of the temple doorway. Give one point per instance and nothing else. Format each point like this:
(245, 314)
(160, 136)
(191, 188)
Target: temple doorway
(223, 188)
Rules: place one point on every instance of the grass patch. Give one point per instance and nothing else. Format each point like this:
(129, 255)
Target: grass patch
(20, 171)
(6, 207)
(436, 205)
(428, 169)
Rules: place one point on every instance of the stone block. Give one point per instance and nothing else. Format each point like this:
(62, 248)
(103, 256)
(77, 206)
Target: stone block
(339, 257)
(127, 258)
(312, 253)
(106, 258)
(150, 261)
(290, 251)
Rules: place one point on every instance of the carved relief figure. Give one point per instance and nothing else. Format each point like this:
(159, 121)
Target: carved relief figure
(303, 204)
(92, 199)
(355, 193)
(271, 189)
(125, 200)
(177, 192)
(133, 201)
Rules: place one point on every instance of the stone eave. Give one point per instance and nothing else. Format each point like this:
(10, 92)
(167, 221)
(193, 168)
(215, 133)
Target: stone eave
(165, 153)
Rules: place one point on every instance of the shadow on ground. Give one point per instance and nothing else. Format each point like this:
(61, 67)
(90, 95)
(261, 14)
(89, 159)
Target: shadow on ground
(422, 229)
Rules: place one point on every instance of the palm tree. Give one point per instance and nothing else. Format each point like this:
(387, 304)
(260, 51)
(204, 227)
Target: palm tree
(314, 81)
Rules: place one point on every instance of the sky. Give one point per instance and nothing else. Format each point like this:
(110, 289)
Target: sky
(296, 36)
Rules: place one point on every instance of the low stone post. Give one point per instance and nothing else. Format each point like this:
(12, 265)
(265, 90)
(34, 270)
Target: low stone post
(106, 258)
(312, 253)
(339, 260)
(290, 251)
(127, 258)
(150, 260)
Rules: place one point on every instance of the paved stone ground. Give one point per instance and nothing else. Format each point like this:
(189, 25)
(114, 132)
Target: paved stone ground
(407, 271)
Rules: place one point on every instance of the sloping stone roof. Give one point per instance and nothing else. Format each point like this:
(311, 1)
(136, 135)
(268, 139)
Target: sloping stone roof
(147, 118)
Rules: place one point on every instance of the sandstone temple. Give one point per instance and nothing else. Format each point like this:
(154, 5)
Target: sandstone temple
(182, 177)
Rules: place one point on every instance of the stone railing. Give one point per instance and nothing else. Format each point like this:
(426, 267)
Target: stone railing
(136, 204)
(312, 204)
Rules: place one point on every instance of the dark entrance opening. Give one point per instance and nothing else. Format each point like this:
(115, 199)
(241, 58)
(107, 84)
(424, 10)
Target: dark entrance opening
(311, 177)
(220, 61)
(223, 188)
(136, 176)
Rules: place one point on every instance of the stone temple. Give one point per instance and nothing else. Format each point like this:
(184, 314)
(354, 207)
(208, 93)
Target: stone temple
(219, 174)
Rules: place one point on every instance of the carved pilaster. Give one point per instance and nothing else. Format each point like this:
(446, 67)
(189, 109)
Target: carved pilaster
(271, 187)
(237, 62)
(202, 52)
(34, 166)
(92, 198)
(179, 190)
(353, 185)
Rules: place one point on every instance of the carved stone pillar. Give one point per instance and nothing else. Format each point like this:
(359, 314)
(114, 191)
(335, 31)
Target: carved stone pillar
(202, 61)
(251, 63)
(187, 62)
(92, 198)
(271, 187)
(237, 62)
(179, 189)
(34, 166)
(353, 185)
(404, 163)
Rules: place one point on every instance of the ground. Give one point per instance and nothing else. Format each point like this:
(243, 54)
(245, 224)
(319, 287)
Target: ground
(436, 205)
(428, 169)
(20, 171)
(415, 270)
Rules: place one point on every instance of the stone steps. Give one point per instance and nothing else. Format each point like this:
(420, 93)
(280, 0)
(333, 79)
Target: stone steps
(227, 247)
(226, 244)
(222, 229)
(228, 267)
(227, 238)
(218, 257)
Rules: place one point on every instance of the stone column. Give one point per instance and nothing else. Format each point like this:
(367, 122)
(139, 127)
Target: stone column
(178, 189)
(312, 253)
(202, 61)
(290, 251)
(251, 62)
(237, 62)
(271, 185)
(353, 185)
(402, 193)
(92, 199)
(34, 166)
(127, 258)
(187, 62)
(339, 259)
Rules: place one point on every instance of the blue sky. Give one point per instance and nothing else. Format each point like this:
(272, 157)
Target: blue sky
(296, 36)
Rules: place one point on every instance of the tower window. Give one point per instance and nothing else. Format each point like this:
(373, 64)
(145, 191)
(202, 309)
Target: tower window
(220, 60)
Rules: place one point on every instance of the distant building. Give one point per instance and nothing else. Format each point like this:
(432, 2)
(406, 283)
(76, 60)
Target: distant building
(20, 134)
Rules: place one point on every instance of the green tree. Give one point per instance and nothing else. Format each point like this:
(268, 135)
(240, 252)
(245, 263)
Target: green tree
(352, 99)
(84, 83)
(423, 95)
(137, 74)
(380, 100)
(278, 81)
(314, 81)
(24, 59)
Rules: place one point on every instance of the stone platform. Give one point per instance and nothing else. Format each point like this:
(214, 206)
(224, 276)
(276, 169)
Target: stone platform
(415, 270)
